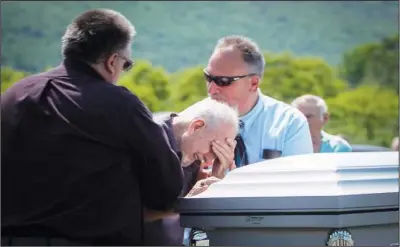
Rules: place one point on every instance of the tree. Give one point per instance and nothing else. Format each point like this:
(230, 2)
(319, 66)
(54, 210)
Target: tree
(367, 114)
(187, 87)
(373, 63)
(150, 84)
(9, 76)
(287, 77)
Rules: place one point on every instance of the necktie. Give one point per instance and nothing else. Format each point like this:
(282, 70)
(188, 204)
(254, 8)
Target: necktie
(241, 158)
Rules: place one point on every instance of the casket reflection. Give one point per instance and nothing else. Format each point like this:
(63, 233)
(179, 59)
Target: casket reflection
(334, 199)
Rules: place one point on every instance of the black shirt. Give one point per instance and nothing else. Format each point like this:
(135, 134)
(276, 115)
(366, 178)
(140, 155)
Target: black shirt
(81, 158)
(168, 231)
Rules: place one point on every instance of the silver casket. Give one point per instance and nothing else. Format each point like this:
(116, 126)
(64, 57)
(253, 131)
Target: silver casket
(332, 199)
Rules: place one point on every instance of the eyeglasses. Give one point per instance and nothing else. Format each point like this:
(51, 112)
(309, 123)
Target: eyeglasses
(128, 63)
(224, 81)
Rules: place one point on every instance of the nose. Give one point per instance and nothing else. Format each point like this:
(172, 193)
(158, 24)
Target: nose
(212, 88)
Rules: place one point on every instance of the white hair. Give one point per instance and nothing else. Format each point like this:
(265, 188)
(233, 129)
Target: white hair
(313, 100)
(213, 112)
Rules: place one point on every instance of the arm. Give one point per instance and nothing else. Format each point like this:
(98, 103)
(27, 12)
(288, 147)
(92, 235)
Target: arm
(190, 179)
(200, 186)
(343, 146)
(160, 177)
(298, 138)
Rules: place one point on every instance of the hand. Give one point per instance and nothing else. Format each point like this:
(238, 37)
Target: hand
(201, 186)
(225, 153)
(153, 215)
(203, 172)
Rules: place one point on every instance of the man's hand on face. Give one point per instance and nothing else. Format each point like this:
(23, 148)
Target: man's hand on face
(225, 153)
(202, 185)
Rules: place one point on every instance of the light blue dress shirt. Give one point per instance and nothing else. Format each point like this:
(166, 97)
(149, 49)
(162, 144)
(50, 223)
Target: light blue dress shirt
(333, 144)
(275, 125)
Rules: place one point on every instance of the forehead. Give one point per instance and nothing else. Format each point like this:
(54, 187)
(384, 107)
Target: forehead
(223, 132)
(226, 62)
(307, 108)
(127, 51)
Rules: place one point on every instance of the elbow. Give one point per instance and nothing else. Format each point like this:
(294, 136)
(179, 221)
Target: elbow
(165, 195)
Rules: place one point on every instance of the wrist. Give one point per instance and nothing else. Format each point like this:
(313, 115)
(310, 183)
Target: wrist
(219, 174)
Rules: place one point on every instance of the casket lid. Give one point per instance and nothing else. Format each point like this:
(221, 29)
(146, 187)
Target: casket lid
(317, 182)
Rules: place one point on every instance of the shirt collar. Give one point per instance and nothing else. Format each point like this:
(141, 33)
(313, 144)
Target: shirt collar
(323, 136)
(73, 65)
(170, 132)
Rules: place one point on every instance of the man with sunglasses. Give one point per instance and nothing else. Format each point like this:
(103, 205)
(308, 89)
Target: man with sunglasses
(269, 128)
(82, 157)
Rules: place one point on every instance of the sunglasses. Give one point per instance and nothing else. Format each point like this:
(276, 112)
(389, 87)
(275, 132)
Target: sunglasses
(128, 63)
(224, 81)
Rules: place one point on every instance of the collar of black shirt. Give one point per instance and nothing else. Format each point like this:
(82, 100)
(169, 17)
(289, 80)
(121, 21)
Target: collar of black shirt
(81, 66)
(171, 136)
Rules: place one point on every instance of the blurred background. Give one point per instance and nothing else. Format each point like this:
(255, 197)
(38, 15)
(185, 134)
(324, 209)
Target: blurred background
(346, 52)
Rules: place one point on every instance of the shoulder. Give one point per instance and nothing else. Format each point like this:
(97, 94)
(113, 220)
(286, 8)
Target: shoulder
(162, 117)
(129, 103)
(25, 87)
(337, 143)
(282, 113)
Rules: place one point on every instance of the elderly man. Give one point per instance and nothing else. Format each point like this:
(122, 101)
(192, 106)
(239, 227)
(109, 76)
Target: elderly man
(81, 156)
(204, 131)
(270, 128)
(316, 112)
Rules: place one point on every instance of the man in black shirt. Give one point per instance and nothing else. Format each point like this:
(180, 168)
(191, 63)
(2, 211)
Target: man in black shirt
(204, 131)
(82, 157)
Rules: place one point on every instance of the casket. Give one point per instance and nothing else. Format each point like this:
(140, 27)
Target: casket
(331, 199)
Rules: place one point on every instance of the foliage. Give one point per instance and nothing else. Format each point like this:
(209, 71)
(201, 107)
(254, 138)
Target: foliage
(149, 83)
(367, 114)
(373, 63)
(10, 76)
(287, 77)
(179, 35)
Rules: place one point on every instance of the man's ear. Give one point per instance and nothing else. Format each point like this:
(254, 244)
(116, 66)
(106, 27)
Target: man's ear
(254, 83)
(325, 118)
(110, 63)
(196, 125)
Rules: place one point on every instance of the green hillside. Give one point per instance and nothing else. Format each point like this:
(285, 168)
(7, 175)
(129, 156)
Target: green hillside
(181, 34)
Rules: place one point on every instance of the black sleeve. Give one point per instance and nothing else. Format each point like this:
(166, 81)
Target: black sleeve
(160, 176)
(190, 177)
